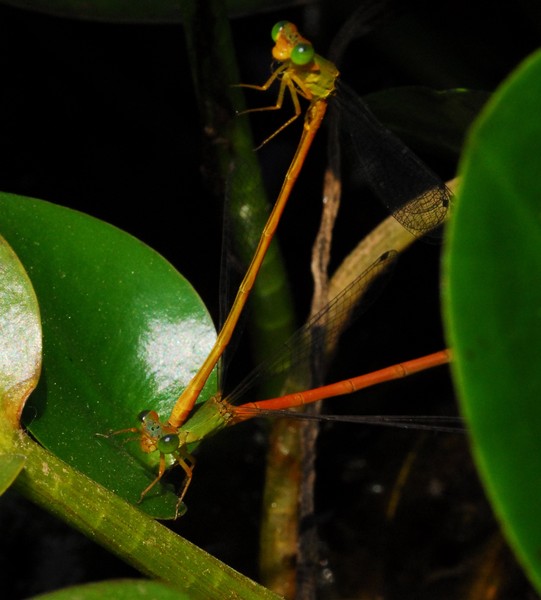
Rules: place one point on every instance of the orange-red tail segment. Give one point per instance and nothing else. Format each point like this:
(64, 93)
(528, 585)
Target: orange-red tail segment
(340, 388)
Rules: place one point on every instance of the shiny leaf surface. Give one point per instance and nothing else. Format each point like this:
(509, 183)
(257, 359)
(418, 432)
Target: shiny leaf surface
(123, 332)
(20, 335)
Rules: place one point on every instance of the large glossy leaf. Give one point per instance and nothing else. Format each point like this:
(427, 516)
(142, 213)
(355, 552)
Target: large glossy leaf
(123, 332)
(20, 336)
(493, 305)
(20, 355)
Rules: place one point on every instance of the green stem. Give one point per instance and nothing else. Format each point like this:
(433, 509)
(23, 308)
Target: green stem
(121, 528)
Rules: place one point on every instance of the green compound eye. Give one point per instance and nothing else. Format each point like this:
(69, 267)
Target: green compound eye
(142, 416)
(302, 54)
(276, 29)
(167, 444)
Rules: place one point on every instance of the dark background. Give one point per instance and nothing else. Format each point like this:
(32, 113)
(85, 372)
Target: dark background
(101, 117)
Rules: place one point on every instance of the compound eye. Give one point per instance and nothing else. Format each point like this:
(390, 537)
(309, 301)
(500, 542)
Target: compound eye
(277, 28)
(302, 54)
(142, 415)
(167, 444)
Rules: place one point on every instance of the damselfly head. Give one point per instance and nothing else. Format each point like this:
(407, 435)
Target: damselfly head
(290, 45)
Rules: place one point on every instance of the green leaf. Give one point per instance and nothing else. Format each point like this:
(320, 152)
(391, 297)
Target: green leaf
(123, 332)
(493, 305)
(20, 336)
